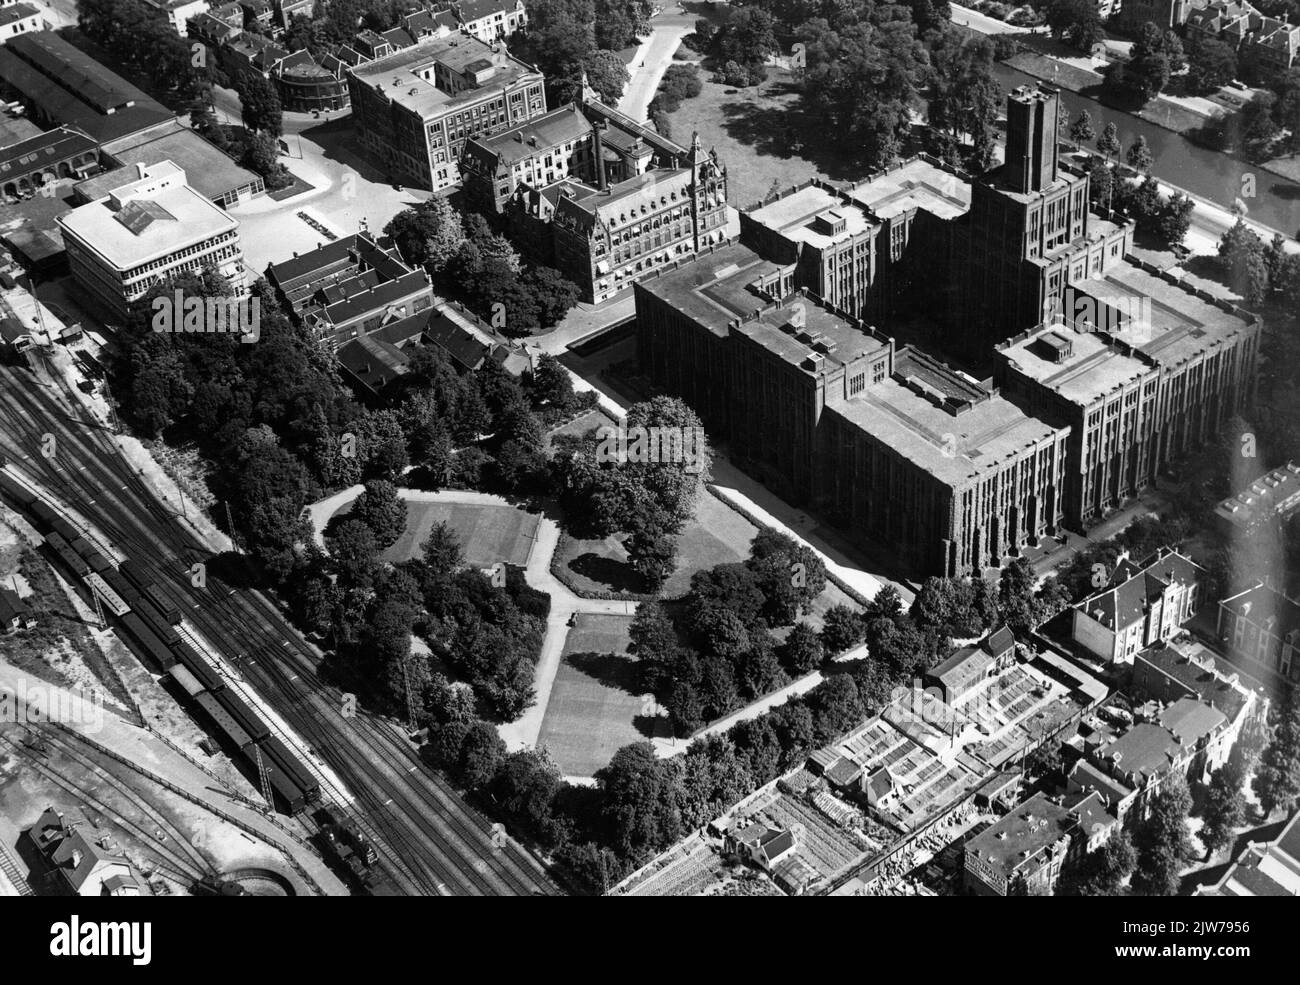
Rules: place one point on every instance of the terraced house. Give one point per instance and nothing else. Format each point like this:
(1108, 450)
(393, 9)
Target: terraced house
(415, 109)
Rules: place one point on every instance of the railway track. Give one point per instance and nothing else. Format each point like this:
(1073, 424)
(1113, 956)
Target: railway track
(428, 839)
(178, 867)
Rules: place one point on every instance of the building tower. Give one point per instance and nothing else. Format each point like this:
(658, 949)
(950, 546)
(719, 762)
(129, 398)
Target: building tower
(1032, 153)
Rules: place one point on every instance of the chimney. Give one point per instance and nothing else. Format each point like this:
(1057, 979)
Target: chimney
(139, 169)
(599, 147)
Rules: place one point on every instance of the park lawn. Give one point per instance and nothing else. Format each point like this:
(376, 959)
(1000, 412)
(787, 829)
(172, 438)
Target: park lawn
(716, 535)
(488, 534)
(594, 708)
(761, 135)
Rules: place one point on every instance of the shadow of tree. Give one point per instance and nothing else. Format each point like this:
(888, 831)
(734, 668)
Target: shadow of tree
(615, 575)
(608, 668)
(785, 129)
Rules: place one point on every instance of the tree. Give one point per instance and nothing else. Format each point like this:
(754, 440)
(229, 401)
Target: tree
(607, 74)
(1101, 185)
(802, 650)
(1211, 64)
(1081, 131)
(1242, 253)
(380, 509)
(1102, 872)
(1076, 22)
(652, 551)
(259, 104)
(550, 385)
(1148, 69)
(481, 753)
(653, 641)
(841, 629)
(1258, 125)
(1162, 841)
(355, 554)
(1016, 596)
(1175, 219)
(1225, 809)
(641, 802)
(431, 233)
(1277, 777)
(1139, 155)
(1108, 142)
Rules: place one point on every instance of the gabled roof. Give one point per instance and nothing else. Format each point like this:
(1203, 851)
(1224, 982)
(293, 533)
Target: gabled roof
(1133, 587)
(1266, 607)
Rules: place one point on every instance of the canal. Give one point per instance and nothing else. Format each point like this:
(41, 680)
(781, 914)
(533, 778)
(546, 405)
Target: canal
(1217, 177)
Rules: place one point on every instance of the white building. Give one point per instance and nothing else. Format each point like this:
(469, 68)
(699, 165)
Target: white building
(178, 12)
(490, 20)
(1140, 605)
(146, 231)
(19, 18)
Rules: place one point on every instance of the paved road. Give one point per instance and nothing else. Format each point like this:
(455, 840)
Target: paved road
(652, 60)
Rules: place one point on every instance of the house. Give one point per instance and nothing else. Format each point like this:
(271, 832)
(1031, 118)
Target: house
(967, 667)
(1022, 853)
(1140, 606)
(80, 865)
(1188, 737)
(14, 612)
(765, 845)
(1267, 868)
(1165, 674)
(1261, 629)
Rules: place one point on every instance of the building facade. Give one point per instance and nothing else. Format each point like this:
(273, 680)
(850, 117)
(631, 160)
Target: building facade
(146, 232)
(19, 18)
(490, 20)
(1141, 605)
(415, 109)
(894, 446)
(1260, 628)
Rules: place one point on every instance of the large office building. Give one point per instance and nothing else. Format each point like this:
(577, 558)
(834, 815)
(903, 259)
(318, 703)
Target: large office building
(145, 232)
(1029, 232)
(414, 109)
(1171, 368)
(851, 245)
(1117, 370)
(894, 445)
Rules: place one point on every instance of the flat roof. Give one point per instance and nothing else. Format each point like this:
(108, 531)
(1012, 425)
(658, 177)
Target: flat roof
(180, 216)
(713, 288)
(796, 217)
(1177, 325)
(1274, 492)
(914, 184)
(399, 76)
(556, 127)
(1094, 368)
(953, 448)
(208, 170)
(1019, 837)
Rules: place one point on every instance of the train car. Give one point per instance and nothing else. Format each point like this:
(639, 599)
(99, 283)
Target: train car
(293, 766)
(97, 561)
(16, 491)
(44, 514)
(125, 590)
(202, 670)
(228, 729)
(135, 573)
(164, 630)
(290, 797)
(163, 604)
(70, 558)
(64, 529)
(248, 719)
(147, 642)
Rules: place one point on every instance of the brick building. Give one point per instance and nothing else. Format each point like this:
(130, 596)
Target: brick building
(1260, 628)
(895, 446)
(1141, 605)
(414, 109)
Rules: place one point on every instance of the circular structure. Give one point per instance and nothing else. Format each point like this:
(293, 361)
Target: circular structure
(256, 882)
